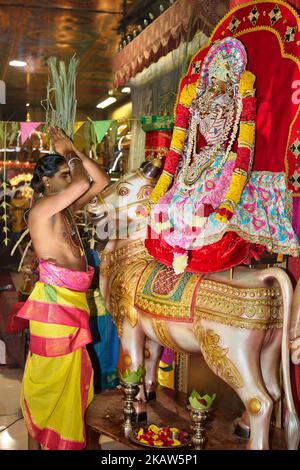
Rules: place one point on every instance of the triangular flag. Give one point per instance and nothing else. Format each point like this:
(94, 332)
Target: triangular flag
(14, 129)
(114, 131)
(92, 138)
(101, 127)
(77, 126)
(27, 128)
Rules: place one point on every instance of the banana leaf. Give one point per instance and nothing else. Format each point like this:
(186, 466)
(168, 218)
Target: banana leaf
(133, 376)
(201, 402)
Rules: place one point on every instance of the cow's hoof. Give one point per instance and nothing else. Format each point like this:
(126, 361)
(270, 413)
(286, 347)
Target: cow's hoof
(140, 417)
(241, 429)
(150, 395)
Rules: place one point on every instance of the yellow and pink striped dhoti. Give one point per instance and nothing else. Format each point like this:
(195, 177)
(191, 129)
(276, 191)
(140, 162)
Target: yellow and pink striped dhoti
(58, 378)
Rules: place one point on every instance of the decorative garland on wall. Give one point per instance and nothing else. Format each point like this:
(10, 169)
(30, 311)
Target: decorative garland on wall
(4, 204)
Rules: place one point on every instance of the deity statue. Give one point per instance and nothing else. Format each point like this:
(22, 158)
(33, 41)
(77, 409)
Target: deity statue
(218, 213)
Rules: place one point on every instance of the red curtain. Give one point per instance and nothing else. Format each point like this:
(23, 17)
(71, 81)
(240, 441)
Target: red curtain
(273, 56)
(157, 143)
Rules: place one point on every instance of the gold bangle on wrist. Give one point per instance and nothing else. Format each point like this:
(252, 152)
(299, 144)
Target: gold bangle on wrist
(73, 158)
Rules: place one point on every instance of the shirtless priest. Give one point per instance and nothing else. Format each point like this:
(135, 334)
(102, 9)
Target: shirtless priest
(57, 383)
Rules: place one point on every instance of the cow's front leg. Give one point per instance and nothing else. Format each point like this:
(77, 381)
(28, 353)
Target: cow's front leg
(133, 341)
(152, 356)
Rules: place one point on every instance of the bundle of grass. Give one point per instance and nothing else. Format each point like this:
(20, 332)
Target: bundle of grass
(61, 86)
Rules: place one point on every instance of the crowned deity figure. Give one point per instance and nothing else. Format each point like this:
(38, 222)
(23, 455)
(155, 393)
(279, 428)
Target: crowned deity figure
(209, 210)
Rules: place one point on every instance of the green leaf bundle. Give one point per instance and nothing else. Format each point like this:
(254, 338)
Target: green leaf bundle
(62, 87)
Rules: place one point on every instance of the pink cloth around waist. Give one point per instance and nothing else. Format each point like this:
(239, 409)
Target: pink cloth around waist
(50, 273)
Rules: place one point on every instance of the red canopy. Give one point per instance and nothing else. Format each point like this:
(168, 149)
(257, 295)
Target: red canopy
(270, 32)
(235, 3)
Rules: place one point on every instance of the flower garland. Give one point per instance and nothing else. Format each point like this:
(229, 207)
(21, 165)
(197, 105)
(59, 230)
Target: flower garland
(244, 152)
(4, 204)
(245, 149)
(92, 240)
(182, 116)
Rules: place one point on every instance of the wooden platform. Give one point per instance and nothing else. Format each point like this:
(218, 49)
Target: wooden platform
(105, 417)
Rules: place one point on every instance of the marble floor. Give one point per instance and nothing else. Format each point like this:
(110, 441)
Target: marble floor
(13, 434)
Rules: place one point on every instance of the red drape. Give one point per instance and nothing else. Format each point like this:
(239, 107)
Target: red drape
(157, 143)
(273, 47)
(235, 3)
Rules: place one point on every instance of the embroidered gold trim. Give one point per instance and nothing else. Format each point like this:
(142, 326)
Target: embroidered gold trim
(160, 305)
(239, 322)
(113, 256)
(253, 308)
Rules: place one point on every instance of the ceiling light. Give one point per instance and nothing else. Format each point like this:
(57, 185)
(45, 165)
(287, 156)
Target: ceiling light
(106, 102)
(126, 89)
(17, 63)
(27, 105)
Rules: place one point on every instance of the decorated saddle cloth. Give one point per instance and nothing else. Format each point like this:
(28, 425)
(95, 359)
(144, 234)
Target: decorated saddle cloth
(58, 378)
(163, 294)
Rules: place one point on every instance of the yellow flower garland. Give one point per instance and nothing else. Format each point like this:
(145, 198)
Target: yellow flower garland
(245, 139)
(178, 139)
(246, 83)
(188, 94)
(162, 186)
(185, 99)
(246, 134)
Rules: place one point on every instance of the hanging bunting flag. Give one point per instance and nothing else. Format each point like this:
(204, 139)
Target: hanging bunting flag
(78, 136)
(101, 127)
(77, 126)
(90, 133)
(27, 128)
(87, 134)
(114, 131)
(12, 133)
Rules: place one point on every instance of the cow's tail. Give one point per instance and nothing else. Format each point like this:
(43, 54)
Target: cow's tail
(291, 421)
